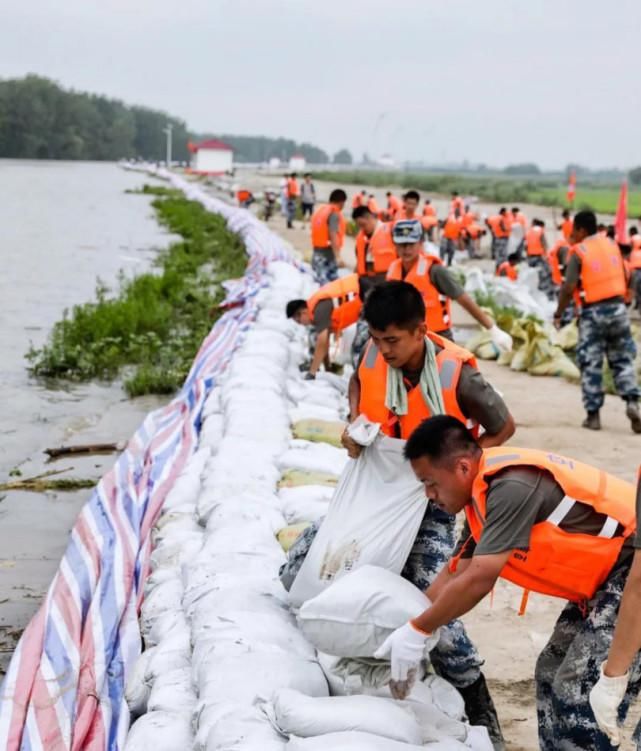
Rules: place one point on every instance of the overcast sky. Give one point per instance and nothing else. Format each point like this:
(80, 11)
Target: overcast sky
(497, 81)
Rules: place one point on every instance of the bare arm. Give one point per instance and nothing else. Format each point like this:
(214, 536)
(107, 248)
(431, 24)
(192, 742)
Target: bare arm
(565, 296)
(321, 351)
(335, 245)
(463, 591)
(353, 396)
(487, 441)
(627, 634)
(445, 577)
(466, 302)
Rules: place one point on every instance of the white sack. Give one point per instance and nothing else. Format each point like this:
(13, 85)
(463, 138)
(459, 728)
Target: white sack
(160, 731)
(305, 503)
(173, 692)
(137, 689)
(354, 616)
(373, 518)
(227, 725)
(315, 457)
(355, 741)
(297, 714)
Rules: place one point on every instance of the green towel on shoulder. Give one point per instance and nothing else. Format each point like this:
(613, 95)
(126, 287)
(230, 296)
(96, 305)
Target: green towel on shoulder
(430, 384)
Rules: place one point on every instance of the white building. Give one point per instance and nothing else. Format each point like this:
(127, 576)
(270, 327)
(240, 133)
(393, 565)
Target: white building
(211, 157)
(297, 163)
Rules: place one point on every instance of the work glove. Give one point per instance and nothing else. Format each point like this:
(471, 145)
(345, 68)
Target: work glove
(605, 698)
(404, 648)
(501, 338)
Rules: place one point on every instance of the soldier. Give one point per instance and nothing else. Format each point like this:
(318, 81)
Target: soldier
(595, 267)
(537, 256)
(548, 524)
(392, 386)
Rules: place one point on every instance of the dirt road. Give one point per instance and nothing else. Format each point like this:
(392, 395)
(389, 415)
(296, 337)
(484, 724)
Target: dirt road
(548, 414)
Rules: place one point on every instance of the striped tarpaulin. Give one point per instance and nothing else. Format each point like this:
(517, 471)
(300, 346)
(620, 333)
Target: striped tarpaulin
(64, 688)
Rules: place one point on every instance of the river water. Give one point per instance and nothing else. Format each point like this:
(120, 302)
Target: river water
(63, 226)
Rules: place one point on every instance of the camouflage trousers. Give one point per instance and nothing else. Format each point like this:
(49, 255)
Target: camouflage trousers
(360, 340)
(604, 331)
(546, 285)
(324, 266)
(568, 668)
(636, 287)
(455, 657)
(500, 249)
(447, 250)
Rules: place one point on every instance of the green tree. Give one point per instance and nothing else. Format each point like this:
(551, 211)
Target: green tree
(634, 175)
(342, 157)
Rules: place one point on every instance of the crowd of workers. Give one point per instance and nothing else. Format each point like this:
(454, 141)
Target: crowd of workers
(547, 523)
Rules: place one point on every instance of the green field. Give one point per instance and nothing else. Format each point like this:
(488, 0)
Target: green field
(495, 188)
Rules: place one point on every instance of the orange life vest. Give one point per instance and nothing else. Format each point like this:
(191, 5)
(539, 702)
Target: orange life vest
(372, 374)
(344, 294)
(381, 251)
(499, 225)
(357, 201)
(558, 563)
(292, 188)
(394, 205)
(320, 226)
(429, 210)
(457, 205)
(635, 255)
(566, 228)
(243, 195)
(373, 206)
(558, 271)
(521, 219)
(468, 219)
(452, 228)
(602, 273)
(506, 269)
(437, 306)
(534, 241)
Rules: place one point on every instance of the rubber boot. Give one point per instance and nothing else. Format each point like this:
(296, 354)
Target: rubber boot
(480, 710)
(592, 421)
(632, 413)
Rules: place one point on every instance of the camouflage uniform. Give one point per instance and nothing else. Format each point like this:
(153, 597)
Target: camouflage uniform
(568, 668)
(360, 340)
(546, 285)
(324, 267)
(448, 248)
(604, 329)
(455, 657)
(500, 249)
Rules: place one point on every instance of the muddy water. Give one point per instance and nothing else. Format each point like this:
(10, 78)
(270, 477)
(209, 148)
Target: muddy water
(62, 226)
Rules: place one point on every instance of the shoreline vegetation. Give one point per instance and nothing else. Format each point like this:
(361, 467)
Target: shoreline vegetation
(542, 191)
(149, 329)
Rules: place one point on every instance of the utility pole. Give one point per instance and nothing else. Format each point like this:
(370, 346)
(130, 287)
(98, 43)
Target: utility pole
(168, 131)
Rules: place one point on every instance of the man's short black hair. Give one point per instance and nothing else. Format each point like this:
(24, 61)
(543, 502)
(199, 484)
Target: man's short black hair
(307, 174)
(361, 211)
(294, 174)
(633, 231)
(394, 304)
(585, 220)
(442, 439)
(337, 195)
(565, 214)
(413, 195)
(611, 231)
(601, 227)
(389, 193)
(513, 258)
(502, 210)
(455, 192)
(293, 306)
(515, 209)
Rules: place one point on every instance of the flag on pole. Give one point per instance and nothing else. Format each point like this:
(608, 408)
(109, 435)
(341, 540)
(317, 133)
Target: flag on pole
(571, 187)
(620, 220)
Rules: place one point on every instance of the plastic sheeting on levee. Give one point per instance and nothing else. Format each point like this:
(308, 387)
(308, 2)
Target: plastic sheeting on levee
(222, 643)
(522, 294)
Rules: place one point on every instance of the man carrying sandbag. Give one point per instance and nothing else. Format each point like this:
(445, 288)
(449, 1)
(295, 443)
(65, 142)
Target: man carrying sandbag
(548, 524)
(405, 375)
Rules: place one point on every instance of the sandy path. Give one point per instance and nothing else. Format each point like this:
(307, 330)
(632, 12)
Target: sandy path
(548, 414)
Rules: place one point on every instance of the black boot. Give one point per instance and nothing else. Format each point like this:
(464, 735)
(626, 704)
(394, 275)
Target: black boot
(480, 710)
(632, 413)
(592, 421)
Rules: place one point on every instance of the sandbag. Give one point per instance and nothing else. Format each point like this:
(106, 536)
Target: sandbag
(287, 536)
(354, 616)
(138, 689)
(319, 431)
(160, 731)
(297, 714)
(293, 478)
(314, 457)
(225, 726)
(356, 741)
(173, 692)
(373, 518)
(305, 502)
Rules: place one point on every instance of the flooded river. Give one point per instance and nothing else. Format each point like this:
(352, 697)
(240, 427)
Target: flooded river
(63, 226)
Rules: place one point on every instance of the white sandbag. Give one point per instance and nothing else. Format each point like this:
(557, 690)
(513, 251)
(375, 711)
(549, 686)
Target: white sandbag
(305, 503)
(356, 741)
(373, 518)
(303, 411)
(226, 726)
(158, 576)
(478, 738)
(317, 457)
(297, 714)
(255, 536)
(176, 552)
(432, 691)
(166, 596)
(212, 432)
(354, 616)
(138, 689)
(173, 525)
(247, 677)
(160, 731)
(172, 692)
(171, 622)
(171, 653)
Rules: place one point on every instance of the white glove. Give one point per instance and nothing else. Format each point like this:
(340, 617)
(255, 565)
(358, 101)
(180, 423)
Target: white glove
(605, 698)
(501, 338)
(404, 648)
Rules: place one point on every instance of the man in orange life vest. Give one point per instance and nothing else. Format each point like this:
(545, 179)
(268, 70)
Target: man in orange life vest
(293, 193)
(536, 247)
(392, 386)
(548, 524)
(595, 268)
(360, 199)
(436, 285)
(374, 248)
(328, 234)
(394, 205)
(332, 308)
(499, 226)
(635, 264)
(566, 225)
(509, 269)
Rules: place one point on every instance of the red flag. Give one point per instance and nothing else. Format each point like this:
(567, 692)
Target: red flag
(620, 229)
(571, 187)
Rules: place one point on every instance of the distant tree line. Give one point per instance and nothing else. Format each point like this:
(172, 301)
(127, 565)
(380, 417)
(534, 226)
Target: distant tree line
(41, 120)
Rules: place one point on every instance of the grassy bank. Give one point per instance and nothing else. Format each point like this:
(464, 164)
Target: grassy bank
(495, 189)
(149, 329)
